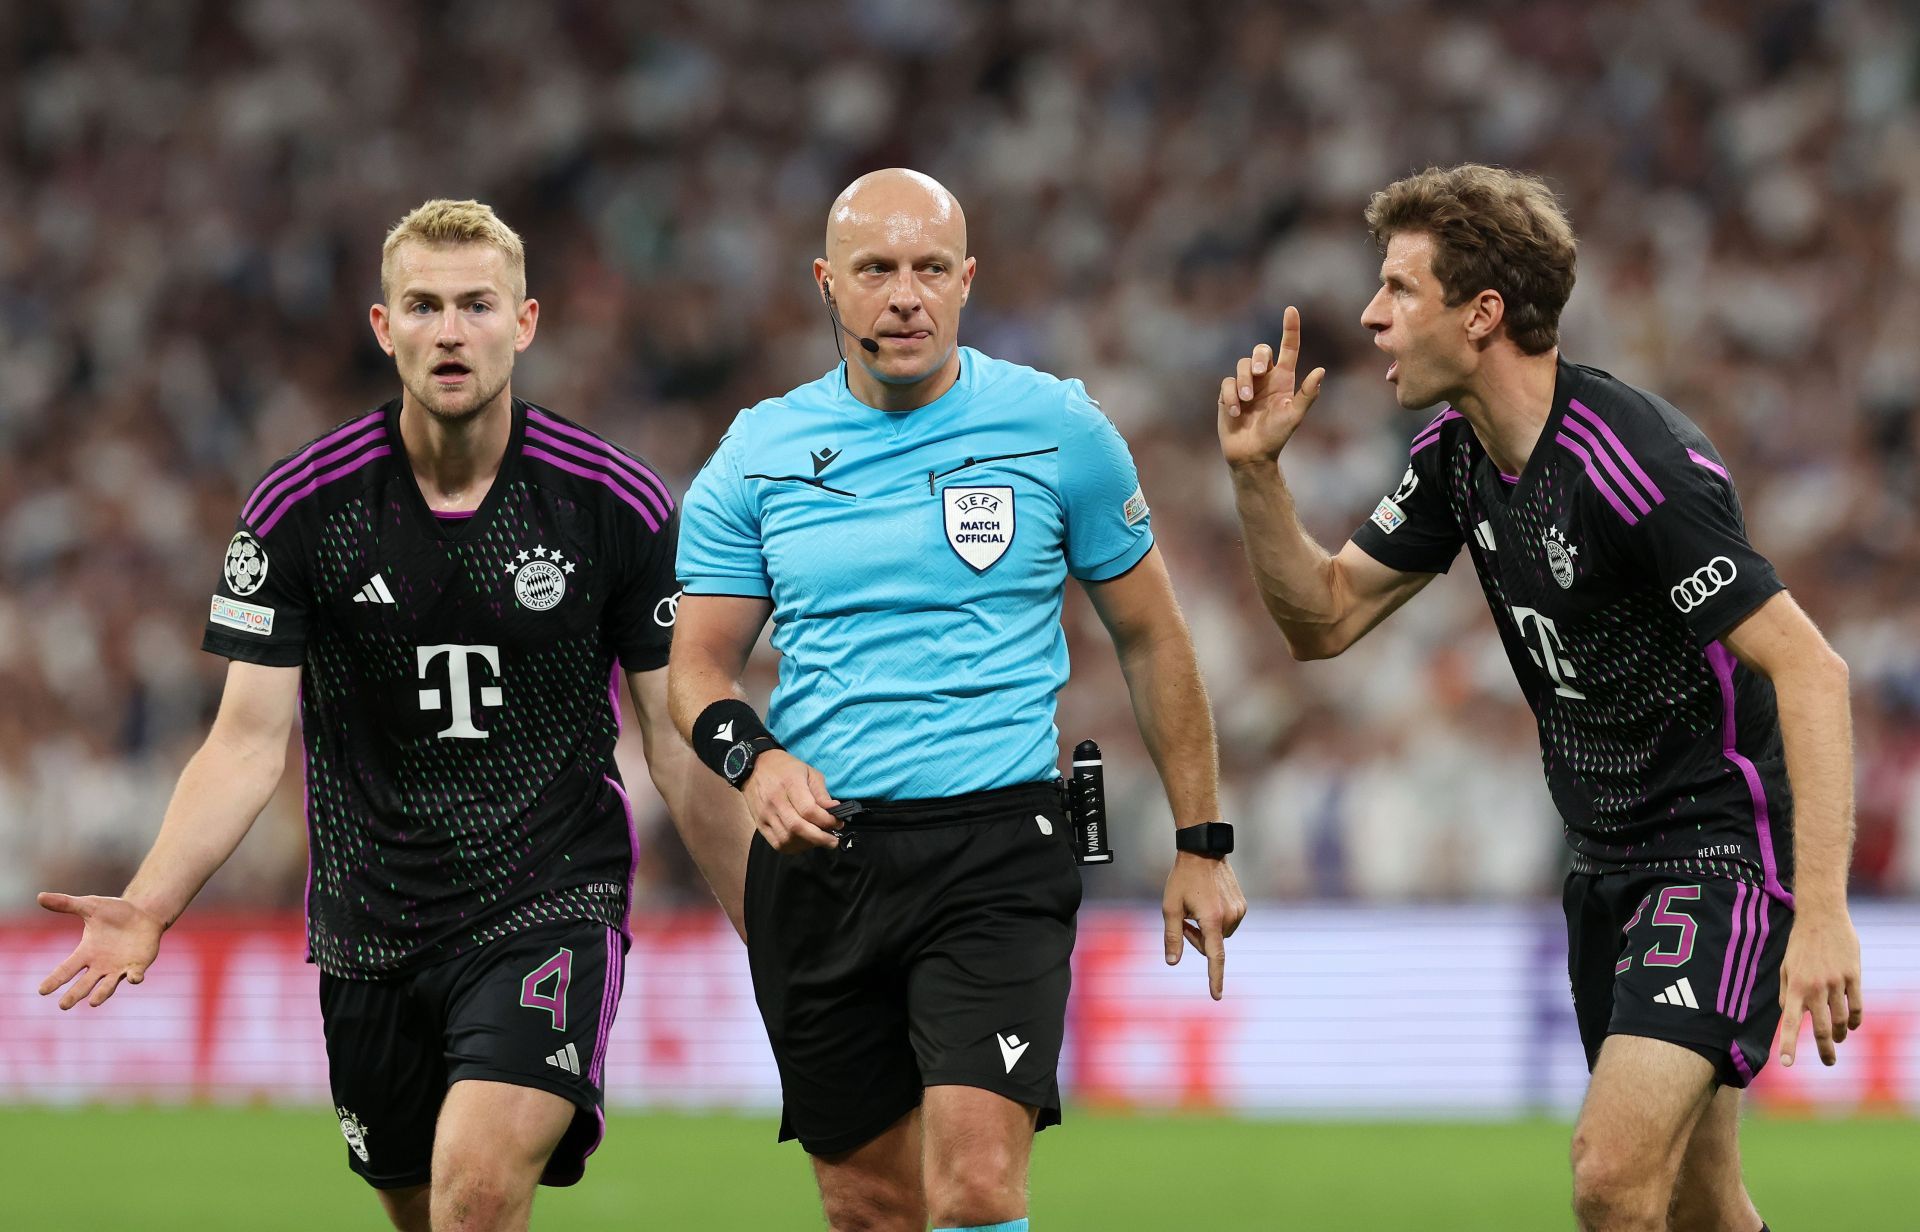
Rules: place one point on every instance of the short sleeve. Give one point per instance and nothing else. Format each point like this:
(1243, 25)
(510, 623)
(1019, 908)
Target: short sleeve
(644, 600)
(1109, 528)
(720, 551)
(1413, 529)
(263, 600)
(1693, 545)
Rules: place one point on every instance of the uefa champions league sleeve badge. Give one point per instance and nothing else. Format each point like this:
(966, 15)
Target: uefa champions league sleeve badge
(246, 568)
(539, 578)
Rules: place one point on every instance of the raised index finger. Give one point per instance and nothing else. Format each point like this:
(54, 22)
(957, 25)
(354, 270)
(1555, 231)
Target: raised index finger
(1289, 343)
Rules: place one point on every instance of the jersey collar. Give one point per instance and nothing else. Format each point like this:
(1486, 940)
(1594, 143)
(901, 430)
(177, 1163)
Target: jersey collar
(416, 503)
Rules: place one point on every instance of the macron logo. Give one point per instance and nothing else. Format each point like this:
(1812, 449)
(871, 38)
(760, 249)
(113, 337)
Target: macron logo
(726, 732)
(1012, 1049)
(375, 591)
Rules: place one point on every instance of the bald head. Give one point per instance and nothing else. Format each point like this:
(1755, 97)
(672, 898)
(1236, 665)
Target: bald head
(895, 207)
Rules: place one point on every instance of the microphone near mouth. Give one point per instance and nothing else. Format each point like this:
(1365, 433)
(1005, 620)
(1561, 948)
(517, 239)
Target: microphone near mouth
(833, 310)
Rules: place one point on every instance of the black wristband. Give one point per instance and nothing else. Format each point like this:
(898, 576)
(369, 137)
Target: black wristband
(1209, 838)
(721, 726)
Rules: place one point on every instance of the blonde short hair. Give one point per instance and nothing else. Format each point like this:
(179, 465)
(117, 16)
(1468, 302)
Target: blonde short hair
(455, 222)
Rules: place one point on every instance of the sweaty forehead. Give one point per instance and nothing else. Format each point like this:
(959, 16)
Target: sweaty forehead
(441, 268)
(895, 209)
(1409, 256)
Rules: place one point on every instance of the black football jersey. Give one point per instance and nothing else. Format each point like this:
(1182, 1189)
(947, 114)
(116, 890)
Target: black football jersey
(1613, 565)
(459, 688)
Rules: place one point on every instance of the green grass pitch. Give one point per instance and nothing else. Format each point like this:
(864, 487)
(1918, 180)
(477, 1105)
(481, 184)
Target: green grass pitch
(203, 1169)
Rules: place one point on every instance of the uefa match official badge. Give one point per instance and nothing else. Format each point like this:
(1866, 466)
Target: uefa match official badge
(979, 524)
(1560, 556)
(539, 578)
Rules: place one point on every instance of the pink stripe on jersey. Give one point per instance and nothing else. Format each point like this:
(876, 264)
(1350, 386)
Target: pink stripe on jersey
(599, 477)
(300, 459)
(1575, 406)
(1599, 480)
(1721, 660)
(603, 461)
(264, 497)
(1606, 461)
(316, 483)
(1710, 464)
(648, 481)
(1431, 433)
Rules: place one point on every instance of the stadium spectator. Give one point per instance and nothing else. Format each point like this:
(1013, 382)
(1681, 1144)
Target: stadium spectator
(186, 189)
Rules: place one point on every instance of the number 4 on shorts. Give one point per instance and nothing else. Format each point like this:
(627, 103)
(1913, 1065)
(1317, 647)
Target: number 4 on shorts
(559, 969)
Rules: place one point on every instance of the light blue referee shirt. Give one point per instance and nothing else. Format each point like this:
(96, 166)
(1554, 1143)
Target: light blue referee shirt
(917, 561)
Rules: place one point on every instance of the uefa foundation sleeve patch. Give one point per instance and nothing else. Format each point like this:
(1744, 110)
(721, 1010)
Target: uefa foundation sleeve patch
(1388, 516)
(1136, 507)
(246, 617)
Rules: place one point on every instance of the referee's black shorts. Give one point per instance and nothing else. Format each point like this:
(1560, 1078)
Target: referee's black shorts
(930, 948)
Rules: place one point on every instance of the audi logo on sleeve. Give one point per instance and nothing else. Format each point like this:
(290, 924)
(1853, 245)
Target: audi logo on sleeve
(1704, 583)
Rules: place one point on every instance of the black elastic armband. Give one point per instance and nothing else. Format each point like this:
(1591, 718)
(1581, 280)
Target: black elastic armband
(724, 724)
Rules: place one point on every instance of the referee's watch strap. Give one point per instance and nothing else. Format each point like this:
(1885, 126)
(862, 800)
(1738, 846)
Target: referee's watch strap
(1209, 838)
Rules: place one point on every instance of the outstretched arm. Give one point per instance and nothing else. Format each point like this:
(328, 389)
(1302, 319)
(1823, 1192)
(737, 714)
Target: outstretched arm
(1203, 901)
(1820, 974)
(221, 791)
(1323, 603)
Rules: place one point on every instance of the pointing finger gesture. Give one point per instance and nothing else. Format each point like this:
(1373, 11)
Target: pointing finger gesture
(1259, 406)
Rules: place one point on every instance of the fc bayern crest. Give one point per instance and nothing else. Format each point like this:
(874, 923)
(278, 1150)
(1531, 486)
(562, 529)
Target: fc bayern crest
(979, 524)
(246, 564)
(1560, 557)
(539, 578)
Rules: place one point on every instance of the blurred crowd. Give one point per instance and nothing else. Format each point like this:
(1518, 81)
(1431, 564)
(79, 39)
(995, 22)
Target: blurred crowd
(192, 198)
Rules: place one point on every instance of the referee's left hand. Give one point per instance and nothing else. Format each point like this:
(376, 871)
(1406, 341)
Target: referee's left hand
(1204, 904)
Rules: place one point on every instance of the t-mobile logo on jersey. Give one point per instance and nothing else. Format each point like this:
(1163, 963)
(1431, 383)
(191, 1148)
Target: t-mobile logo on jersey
(459, 688)
(1548, 656)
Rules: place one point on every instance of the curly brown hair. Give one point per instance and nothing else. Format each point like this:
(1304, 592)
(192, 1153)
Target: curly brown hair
(1492, 229)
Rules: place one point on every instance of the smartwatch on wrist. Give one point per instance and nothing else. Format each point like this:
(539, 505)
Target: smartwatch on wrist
(1209, 838)
(741, 758)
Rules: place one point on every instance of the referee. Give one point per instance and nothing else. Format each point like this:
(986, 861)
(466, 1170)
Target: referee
(909, 521)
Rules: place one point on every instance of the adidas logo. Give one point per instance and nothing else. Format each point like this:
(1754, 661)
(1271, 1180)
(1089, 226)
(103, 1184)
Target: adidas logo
(375, 591)
(568, 1059)
(1680, 992)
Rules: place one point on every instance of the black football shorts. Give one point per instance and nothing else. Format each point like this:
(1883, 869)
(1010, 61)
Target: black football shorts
(930, 948)
(1690, 960)
(532, 1009)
